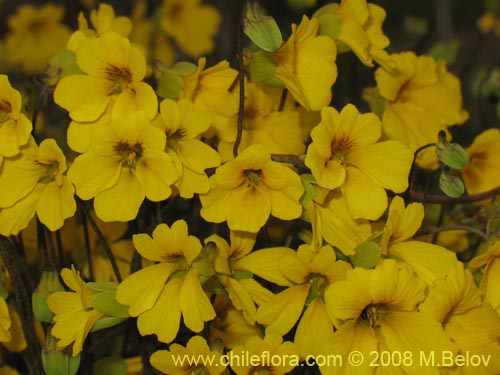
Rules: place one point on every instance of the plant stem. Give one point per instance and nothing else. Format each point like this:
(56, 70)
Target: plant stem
(241, 81)
(101, 238)
(24, 302)
(478, 232)
(438, 198)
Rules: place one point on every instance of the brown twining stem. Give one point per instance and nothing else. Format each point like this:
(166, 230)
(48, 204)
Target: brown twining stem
(241, 81)
(296, 160)
(24, 302)
(414, 162)
(436, 230)
(101, 238)
(87, 246)
(284, 94)
(40, 103)
(442, 199)
(52, 249)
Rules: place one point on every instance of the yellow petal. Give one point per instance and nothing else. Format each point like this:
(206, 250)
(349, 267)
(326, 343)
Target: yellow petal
(83, 173)
(122, 201)
(314, 329)
(141, 289)
(56, 204)
(266, 264)
(283, 310)
(84, 97)
(156, 176)
(163, 319)
(195, 305)
(364, 197)
(387, 163)
(429, 261)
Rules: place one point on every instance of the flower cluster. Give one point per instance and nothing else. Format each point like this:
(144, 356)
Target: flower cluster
(225, 210)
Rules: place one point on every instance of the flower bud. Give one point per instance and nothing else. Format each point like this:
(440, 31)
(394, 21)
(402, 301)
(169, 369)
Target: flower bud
(451, 185)
(262, 30)
(49, 283)
(56, 361)
(452, 155)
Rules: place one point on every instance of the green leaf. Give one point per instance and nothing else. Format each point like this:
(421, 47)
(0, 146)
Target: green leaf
(452, 155)
(308, 182)
(106, 303)
(375, 100)
(183, 68)
(110, 366)
(446, 51)
(170, 85)
(3, 291)
(262, 30)
(451, 185)
(107, 322)
(262, 68)
(103, 286)
(214, 285)
(367, 255)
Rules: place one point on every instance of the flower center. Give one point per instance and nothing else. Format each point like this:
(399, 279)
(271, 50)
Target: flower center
(121, 76)
(318, 285)
(5, 110)
(36, 26)
(340, 147)
(174, 137)
(253, 177)
(51, 171)
(129, 155)
(372, 314)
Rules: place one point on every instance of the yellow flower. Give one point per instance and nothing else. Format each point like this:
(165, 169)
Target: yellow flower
(278, 131)
(307, 274)
(422, 99)
(7, 370)
(160, 293)
(490, 283)
(191, 25)
(230, 326)
(345, 154)
(264, 356)
(376, 311)
(457, 303)
(338, 227)
(306, 65)
(17, 343)
(360, 29)
(481, 172)
(194, 358)
(5, 322)
(74, 314)
(41, 187)
(103, 19)
(114, 69)
(246, 190)
(489, 22)
(183, 124)
(429, 261)
(146, 33)
(15, 127)
(209, 90)
(125, 163)
(35, 34)
(243, 291)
